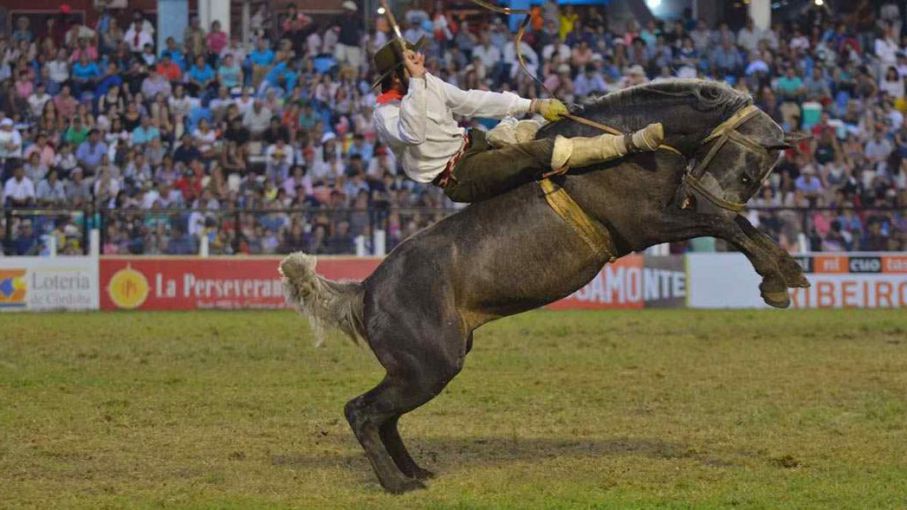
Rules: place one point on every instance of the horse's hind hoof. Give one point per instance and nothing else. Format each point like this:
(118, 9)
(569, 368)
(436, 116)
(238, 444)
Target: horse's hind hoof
(422, 474)
(404, 485)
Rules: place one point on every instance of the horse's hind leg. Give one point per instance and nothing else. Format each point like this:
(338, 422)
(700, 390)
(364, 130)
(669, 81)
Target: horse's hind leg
(418, 369)
(397, 450)
(394, 443)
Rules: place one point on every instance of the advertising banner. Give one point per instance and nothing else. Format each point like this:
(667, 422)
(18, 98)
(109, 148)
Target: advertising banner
(48, 283)
(633, 281)
(843, 280)
(177, 283)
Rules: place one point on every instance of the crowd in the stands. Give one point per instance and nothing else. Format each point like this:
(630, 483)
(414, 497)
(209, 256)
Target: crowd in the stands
(268, 145)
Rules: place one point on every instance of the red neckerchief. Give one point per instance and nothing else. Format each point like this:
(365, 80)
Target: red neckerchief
(390, 95)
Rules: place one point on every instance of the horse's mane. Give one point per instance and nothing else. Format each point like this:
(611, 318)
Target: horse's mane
(705, 95)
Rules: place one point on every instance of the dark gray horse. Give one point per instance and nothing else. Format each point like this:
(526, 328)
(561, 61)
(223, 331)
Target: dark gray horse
(513, 253)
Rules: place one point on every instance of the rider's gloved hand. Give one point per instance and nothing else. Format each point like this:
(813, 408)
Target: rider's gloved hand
(551, 109)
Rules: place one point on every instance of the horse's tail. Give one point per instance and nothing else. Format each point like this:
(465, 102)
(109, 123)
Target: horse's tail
(326, 303)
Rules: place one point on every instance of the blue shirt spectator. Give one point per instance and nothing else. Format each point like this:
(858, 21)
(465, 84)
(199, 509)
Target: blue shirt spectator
(145, 132)
(262, 57)
(85, 70)
(91, 151)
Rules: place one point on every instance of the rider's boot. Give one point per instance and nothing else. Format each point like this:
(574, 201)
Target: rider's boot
(578, 152)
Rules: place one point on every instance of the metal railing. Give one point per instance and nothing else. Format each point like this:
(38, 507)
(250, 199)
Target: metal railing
(374, 230)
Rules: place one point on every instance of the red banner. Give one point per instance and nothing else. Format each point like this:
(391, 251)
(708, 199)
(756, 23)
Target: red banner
(618, 285)
(191, 283)
(176, 283)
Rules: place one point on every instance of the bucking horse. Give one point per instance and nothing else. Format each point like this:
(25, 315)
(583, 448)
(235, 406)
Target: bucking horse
(515, 252)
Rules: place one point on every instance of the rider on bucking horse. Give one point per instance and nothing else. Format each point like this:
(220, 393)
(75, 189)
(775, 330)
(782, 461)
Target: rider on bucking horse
(415, 118)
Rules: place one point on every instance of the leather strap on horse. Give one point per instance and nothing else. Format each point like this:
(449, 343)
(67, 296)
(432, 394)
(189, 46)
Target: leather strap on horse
(590, 231)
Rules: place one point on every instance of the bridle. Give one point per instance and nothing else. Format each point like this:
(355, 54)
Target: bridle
(697, 175)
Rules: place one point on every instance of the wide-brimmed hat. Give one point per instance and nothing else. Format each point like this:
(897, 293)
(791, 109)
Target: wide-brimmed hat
(388, 58)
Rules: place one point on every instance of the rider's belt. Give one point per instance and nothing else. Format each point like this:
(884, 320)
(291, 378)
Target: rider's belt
(444, 178)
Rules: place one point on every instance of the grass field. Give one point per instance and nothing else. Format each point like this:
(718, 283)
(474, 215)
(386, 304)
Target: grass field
(674, 409)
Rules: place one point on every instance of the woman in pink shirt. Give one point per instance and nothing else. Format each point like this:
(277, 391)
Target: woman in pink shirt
(216, 38)
(65, 103)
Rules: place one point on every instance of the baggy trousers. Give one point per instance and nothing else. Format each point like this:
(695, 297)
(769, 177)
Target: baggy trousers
(485, 171)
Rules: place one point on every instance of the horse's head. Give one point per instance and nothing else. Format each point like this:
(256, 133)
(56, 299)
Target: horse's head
(730, 146)
(730, 164)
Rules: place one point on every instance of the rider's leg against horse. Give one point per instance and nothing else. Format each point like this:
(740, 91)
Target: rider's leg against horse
(484, 172)
(578, 151)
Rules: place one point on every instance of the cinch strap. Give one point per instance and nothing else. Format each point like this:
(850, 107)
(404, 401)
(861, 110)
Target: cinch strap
(590, 231)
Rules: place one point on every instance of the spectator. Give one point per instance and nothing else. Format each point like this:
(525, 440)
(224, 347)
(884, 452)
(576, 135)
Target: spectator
(216, 40)
(229, 74)
(201, 77)
(194, 37)
(145, 132)
(257, 119)
(19, 190)
(187, 151)
(10, 145)
(262, 59)
(91, 150)
(51, 192)
(37, 100)
(348, 51)
(136, 37)
(25, 243)
(157, 83)
(181, 243)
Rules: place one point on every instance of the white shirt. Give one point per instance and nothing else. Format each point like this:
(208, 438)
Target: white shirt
(58, 70)
(421, 130)
(886, 50)
(19, 190)
(10, 137)
(144, 38)
(36, 103)
(489, 56)
(279, 155)
(749, 38)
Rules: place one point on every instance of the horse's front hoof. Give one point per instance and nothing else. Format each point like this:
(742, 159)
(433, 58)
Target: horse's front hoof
(799, 282)
(403, 485)
(776, 299)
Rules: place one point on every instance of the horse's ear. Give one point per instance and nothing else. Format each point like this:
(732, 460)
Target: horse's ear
(789, 142)
(795, 138)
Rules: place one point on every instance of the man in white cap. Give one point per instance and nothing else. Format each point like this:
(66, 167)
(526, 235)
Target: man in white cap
(349, 39)
(415, 118)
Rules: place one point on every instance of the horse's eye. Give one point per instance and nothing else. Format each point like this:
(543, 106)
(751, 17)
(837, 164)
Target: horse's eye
(746, 179)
